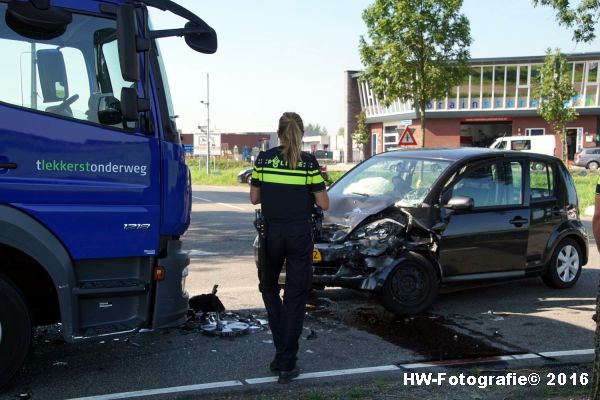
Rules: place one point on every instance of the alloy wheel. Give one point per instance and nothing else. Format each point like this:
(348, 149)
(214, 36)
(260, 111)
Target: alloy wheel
(567, 263)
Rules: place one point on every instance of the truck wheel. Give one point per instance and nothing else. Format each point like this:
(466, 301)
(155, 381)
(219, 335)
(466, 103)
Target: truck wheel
(565, 265)
(593, 165)
(15, 330)
(411, 287)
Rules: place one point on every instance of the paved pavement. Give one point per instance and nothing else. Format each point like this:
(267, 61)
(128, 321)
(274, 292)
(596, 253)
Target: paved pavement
(350, 331)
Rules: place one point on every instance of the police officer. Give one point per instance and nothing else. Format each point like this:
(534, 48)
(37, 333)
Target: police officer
(287, 182)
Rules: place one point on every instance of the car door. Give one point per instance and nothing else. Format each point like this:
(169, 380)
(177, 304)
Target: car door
(546, 212)
(492, 236)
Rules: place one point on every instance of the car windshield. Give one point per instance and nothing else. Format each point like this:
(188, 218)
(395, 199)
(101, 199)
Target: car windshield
(405, 180)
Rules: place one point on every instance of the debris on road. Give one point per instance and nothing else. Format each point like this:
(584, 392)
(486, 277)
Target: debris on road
(207, 303)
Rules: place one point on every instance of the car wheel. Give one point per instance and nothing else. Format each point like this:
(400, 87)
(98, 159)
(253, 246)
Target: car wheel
(565, 265)
(593, 165)
(411, 287)
(15, 330)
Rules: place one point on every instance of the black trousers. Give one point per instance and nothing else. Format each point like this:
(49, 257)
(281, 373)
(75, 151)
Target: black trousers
(290, 242)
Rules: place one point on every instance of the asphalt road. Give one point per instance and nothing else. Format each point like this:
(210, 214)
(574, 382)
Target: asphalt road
(349, 329)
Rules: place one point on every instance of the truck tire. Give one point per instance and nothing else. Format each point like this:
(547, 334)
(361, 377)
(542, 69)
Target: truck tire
(15, 330)
(411, 287)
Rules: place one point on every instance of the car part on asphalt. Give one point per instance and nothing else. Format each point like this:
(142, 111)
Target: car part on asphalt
(213, 325)
(207, 302)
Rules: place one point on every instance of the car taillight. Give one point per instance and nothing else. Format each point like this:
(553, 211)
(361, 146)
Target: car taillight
(323, 168)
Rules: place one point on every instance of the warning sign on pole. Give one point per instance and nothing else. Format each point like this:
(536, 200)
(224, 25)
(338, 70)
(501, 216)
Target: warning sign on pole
(407, 138)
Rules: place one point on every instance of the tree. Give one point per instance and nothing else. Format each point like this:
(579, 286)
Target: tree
(581, 18)
(315, 130)
(417, 50)
(361, 135)
(555, 91)
(341, 131)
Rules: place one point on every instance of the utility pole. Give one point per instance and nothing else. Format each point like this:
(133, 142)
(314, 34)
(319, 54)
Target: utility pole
(207, 104)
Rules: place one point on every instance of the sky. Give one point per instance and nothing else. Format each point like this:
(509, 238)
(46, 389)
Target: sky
(283, 55)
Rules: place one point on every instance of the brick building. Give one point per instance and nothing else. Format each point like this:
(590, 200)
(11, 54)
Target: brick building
(495, 100)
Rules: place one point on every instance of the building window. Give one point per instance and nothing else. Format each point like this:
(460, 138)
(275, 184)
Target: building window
(591, 89)
(390, 137)
(535, 132)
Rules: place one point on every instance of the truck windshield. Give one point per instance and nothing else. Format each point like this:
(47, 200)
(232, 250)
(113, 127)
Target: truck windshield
(75, 75)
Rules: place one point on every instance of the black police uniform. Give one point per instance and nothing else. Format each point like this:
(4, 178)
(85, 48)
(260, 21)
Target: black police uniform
(287, 203)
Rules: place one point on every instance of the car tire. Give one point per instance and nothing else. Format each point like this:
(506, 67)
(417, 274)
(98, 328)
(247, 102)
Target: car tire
(15, 330)
(565, 267)
(592, 165)
(411, 287)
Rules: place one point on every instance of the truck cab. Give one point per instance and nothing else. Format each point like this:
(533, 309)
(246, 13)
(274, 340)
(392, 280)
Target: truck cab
(94, 190)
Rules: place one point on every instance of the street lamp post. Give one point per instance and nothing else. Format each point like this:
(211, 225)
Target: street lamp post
(207, 104)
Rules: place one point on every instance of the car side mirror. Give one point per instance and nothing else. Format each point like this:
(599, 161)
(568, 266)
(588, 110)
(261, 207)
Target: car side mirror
(460, 203)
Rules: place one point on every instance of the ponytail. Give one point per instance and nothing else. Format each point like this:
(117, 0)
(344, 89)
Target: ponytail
(290, 132)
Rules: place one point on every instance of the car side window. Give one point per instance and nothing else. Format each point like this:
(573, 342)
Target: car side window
(520, 145)
(491, 185)
(541, 182)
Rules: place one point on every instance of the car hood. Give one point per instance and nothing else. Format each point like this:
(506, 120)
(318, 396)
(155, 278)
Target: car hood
(347, 212)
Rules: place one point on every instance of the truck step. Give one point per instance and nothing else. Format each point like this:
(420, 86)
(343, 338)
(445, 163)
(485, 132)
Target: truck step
(110, 287)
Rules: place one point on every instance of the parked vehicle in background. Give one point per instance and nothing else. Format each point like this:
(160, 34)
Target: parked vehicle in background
(245, 176)
(405, 223)
(544, 144)
(588, 157)
(94, 190)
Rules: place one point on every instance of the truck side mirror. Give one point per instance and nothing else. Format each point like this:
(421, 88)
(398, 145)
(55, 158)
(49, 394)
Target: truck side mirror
(132, 105)
(127, 43)
(53, 75)
(205, 42)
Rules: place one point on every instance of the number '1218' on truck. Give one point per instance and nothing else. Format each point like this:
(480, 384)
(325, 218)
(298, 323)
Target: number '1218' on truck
(94, 190)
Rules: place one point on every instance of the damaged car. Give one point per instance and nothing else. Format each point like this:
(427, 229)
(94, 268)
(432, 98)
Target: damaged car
(406, 223)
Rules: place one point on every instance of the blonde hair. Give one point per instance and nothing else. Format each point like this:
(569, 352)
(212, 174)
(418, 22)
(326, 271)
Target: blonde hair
(290, 132)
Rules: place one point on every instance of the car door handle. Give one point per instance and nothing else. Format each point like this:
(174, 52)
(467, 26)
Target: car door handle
(8, 165)
(518, 221)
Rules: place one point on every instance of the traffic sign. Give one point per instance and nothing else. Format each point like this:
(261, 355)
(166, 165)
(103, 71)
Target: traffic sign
(188, 148)
(406, 122)
(407, 138)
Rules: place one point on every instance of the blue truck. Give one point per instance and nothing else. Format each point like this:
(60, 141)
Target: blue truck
(94, 191)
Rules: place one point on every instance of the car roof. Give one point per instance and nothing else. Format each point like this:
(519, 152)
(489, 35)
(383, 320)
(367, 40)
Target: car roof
(460, 153)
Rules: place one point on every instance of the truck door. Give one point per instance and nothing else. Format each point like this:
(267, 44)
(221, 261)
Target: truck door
(68, 159)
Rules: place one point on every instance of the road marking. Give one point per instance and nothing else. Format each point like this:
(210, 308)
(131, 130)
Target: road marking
(339, 372)
(197, 253)
(323, 374)
(221, 204)
(154, 392)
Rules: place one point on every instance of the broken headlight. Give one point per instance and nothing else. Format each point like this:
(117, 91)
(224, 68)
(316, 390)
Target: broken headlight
(378, 231)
